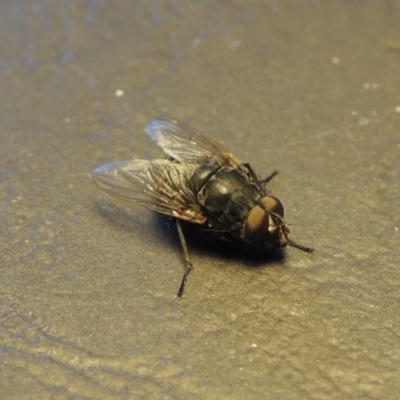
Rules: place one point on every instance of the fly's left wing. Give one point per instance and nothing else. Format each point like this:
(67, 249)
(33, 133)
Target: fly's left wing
(184, 144)
(160, 185)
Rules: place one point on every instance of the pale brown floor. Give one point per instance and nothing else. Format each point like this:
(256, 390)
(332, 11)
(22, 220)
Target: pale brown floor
(87, 283)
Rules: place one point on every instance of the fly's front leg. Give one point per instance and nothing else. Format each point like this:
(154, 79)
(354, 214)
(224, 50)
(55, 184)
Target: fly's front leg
(300, 246)
(268, 178)
(188, 264)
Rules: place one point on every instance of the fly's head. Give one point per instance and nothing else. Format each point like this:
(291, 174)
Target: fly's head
(264, 226)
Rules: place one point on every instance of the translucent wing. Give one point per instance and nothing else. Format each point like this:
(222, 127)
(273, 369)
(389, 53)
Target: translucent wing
(160, 185)
(184, 144)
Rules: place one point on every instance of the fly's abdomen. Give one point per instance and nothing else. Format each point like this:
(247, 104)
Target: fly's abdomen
(201, 176)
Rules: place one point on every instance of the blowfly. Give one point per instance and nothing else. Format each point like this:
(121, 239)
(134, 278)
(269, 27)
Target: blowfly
(200, 182)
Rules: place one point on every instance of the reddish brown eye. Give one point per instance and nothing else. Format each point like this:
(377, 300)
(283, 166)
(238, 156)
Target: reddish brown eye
(256, 225)
(273, 204)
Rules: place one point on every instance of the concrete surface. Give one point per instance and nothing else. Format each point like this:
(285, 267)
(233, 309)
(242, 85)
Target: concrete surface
(311, 88)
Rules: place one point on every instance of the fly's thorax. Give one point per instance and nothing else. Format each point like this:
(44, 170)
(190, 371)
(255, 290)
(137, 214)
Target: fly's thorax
(228, 195)
(264, 225)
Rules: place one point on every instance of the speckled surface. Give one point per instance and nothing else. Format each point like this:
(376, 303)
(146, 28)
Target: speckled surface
(87, 286)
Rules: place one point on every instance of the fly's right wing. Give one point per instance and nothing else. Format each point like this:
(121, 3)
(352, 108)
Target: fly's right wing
(160, 185)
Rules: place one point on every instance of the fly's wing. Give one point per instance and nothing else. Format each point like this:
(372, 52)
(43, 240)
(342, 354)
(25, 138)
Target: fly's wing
(184, 144)
(159, 185)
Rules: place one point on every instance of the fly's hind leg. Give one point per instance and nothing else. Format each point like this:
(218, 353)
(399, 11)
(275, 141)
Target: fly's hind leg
(188, 264)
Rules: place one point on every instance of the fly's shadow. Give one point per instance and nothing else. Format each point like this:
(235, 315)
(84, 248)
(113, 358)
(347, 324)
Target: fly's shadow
(164, 230)
(204, 242)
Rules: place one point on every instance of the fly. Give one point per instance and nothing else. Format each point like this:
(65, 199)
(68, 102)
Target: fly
(203, 183)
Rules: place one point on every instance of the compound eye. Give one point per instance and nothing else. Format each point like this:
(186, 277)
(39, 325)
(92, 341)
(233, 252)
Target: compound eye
(273, 204)
(256, 225)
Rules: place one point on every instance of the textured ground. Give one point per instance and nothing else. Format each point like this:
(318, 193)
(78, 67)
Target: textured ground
(87, 283)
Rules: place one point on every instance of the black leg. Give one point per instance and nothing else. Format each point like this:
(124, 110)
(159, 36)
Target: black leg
(188, 264)
(300, 247)
(269, 177)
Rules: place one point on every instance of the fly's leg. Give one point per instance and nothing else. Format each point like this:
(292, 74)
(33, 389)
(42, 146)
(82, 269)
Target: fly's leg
(268, 178)
(188, 264)
(300, 247)
(262, 181)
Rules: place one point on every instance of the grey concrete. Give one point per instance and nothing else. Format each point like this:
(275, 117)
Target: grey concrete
(311, 88)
